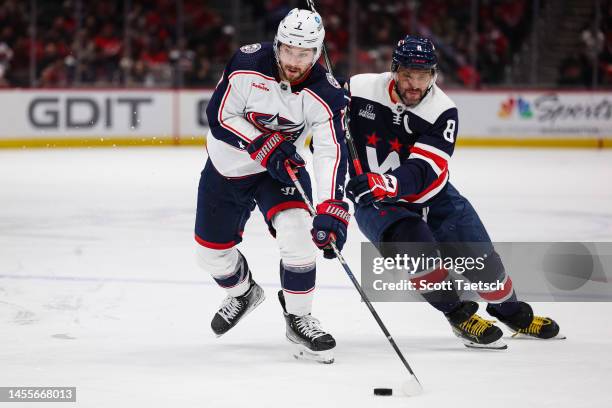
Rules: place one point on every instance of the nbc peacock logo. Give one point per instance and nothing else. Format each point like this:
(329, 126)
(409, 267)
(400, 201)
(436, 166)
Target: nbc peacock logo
(520, 105)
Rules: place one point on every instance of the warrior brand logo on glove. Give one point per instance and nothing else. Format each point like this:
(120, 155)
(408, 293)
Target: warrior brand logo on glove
(273, 152)
(329, 224)
(270, 145)
(335, 211)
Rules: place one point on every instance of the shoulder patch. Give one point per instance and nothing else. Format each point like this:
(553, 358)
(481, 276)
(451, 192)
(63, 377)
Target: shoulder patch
(251, 48)
(332, 81)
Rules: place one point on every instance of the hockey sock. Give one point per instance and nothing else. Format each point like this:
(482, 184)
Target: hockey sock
(236, 283)
(298, 283)
(507, 307)
(503, 299)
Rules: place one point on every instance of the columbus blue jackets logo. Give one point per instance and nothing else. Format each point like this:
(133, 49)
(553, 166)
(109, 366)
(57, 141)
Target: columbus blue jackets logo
(332, 81)
(251, 48)
(275, 123)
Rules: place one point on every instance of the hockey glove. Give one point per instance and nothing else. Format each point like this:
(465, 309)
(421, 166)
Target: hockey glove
(272, 151)
(329, 224)
(368, 188)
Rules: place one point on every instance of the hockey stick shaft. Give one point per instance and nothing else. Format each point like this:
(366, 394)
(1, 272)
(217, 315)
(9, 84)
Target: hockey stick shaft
(350, 274)
(349, 138)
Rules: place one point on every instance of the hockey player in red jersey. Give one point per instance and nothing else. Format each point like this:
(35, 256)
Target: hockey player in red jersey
(405, 128)
(270, 98)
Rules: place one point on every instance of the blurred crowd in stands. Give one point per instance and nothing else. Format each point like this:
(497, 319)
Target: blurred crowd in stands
(91, 43)
(473, 50)
(167, 43)
(591, 64)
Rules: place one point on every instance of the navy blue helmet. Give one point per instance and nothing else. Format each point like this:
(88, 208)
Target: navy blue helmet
(414, 52)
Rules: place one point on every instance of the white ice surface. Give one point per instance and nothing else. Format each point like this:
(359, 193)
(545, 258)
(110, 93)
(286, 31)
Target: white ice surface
(99, 289)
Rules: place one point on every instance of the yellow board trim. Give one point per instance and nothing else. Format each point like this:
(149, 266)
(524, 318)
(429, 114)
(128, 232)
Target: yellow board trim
(536, 142)
(130, 141)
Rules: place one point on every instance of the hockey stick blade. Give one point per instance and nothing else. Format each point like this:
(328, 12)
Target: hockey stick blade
(412, 387)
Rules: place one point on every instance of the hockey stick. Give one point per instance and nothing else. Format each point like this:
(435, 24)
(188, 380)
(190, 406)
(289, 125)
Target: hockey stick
(349, 138)
(413, 386)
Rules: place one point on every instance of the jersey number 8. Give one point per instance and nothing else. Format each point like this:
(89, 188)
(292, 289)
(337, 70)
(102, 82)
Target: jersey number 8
(449, 132)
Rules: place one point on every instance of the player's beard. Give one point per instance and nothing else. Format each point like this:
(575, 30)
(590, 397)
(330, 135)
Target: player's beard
(293, 73)
(410, 96)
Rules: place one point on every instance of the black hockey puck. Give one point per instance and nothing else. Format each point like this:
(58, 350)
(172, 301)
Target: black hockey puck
(383, 391)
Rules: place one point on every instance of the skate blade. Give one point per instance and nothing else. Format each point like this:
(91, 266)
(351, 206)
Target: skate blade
(249, 310)
(496, 345)
(301, 352)
(523, 336)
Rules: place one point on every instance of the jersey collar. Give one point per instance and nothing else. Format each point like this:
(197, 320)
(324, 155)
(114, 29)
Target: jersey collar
(304, 78)
(391, 86)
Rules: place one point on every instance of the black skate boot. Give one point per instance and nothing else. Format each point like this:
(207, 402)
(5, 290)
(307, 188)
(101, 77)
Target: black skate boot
(524, 323)
(235, 308)
(473, 330)
(311, 341)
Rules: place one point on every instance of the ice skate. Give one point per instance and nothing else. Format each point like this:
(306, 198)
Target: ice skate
(473, 330)
(524, 324)
(233, 309)
(309, 340)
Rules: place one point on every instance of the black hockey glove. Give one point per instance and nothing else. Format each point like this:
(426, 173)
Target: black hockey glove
(371, 187)
(330, 223)
(272, 151)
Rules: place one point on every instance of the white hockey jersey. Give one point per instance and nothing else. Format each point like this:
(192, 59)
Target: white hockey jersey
(250, 100)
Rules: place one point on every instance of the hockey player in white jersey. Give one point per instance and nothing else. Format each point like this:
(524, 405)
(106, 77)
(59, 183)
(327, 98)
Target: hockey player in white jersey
(270, 98)
(405, 128)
